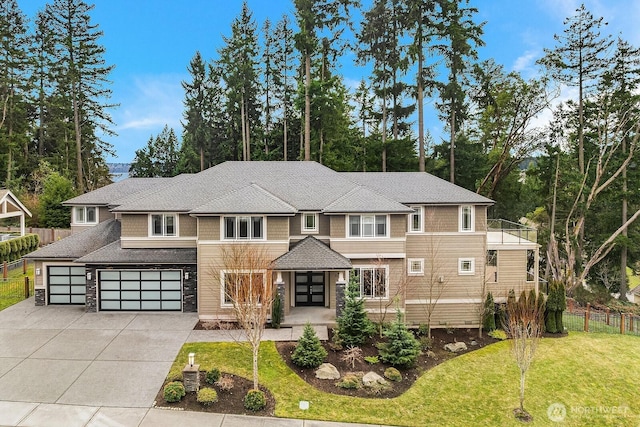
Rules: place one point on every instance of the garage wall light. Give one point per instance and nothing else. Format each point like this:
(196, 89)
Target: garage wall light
(186, 275)
(37, 271)
(88, 275)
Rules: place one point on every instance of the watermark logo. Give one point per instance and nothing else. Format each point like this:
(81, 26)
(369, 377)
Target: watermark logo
(557, 412)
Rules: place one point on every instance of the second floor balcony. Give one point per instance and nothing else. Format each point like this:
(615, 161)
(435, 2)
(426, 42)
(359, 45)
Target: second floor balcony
(501, 231)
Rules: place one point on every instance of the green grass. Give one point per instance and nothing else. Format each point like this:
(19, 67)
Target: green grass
(633, 279)
(8, 295)
(588, 373)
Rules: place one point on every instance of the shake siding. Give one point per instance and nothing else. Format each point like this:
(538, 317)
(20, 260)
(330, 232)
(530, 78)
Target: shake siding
(277, 228)
(441, 219)
(209, 228)
(210, 262)
(295, 225)
(134, 225)
(324, 225)
(373, 246)
(104, 214)
(188, 226)
(337, 226)
(398, 226)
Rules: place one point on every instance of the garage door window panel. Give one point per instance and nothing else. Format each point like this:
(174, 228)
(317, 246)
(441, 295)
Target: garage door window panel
(141, 290)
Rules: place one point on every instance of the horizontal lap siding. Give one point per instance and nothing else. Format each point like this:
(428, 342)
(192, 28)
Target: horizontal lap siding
(445, 315)
(210, 262)
(396, 284)
(512, 273)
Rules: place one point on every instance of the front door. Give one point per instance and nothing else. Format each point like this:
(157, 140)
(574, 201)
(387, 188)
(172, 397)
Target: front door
(309, 289)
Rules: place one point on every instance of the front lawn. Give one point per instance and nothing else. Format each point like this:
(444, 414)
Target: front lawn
(12, 290)
(595, 377)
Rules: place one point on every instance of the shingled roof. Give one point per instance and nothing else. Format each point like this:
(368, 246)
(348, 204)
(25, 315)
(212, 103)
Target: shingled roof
(114, 254)
(82, 243)
(310, 254)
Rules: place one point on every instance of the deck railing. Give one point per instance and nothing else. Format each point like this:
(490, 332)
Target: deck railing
(522, 233)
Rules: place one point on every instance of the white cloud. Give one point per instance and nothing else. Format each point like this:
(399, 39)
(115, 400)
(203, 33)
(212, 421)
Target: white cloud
(526, 62)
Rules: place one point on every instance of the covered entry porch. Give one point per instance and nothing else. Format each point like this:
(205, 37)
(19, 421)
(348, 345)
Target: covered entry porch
(310, 282)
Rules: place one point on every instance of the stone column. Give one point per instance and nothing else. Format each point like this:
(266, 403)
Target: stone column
(91, 296)
(191, 377)
(341, 286)
(280, 294)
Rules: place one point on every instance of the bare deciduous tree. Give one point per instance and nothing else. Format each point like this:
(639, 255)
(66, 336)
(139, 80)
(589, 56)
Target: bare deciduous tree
(246, 274)
(524, 326)
(399, 293)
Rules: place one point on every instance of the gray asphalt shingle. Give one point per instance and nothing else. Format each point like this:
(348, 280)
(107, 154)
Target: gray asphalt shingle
(114, 254)
(311, 254)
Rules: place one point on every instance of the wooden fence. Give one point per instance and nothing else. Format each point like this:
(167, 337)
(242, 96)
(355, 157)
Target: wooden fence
(47, 235)
(16, 289)
(605, 321)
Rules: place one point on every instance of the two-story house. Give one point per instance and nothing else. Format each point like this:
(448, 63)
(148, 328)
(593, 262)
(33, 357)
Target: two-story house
(411, 241)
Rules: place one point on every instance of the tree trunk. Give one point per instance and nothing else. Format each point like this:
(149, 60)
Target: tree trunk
(623, 253)
(421, 159)
(452, 156)
(307, 108)
(522, 383)
(256, 349)
(78, 131)
(242, 131)
(384, 127)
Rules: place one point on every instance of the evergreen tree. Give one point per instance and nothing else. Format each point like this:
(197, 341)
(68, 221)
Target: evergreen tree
(56, 190)
(402, 348)
(160, 158)
(489, 319)
(197, 104)
(354, 327)
(309, 352)
(283, 90)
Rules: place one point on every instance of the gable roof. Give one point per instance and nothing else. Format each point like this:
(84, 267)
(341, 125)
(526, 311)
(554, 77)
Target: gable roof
(82, 243)
(416, 188)
(251, 199)
(310, 254)
(361, 199)
(106, 195)
(6, 196)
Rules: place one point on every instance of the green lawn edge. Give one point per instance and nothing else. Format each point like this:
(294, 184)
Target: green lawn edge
(595, 377)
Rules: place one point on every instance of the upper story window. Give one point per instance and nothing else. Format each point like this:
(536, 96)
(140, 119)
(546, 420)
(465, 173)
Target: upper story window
(367, 225)
(466, 266)
(85, 215)
(467, 220)
(243, 228)
(372, 281)
(415, 219)
(309, 222)
(164, 225)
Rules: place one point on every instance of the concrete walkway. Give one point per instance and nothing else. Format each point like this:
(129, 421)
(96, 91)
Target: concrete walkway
(60, 366)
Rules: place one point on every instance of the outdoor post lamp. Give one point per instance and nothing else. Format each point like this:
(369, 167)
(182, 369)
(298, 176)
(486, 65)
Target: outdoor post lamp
(192, 358)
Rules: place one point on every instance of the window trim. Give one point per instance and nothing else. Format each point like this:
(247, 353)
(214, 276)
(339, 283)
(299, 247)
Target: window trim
(235, 238)
(387, 225)
(386, 279)
(223, 273)
(303, 223)
(471, 271)
(411, 272)
(176, 219)
(419, 210)
(84, 210)
(472, 221)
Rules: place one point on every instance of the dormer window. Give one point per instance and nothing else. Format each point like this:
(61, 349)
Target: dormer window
(85, 215)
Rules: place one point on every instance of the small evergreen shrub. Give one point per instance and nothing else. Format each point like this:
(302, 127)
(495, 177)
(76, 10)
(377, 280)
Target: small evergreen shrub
(498, 334)
(174, 392)
(423, 330)
(392, 374)
(225, 383)
(207, 396)
(276, 312)
(402, 349)
(489, 319)
(372, 360)
(212, 376)
(349, 381)
(309, 352)
(354, 327)
(255, 400)
(426, 343)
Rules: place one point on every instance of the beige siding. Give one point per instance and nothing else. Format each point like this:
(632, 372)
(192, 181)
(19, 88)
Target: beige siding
(373, 247)
(445, 315)
(337, 226)
(396, 285)
(324, 225)
(158, 242)
(104, 214)
(441, 219)
(398, 227)
(188, 226)
(481, 218)
(295, 225)
(135, 225)
(512, 273)
(39, 282)
(210, 263)
(209, 228)
(277, 228)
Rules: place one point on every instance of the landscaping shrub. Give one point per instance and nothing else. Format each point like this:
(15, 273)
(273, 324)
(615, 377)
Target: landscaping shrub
(392, 374)
(402, 349)
(498, 334)
(426, 343)
(255, 400)
(349, 381)
(351, 356)
(225, 383)
(212, 376)
(489, 319)
(309, 352)
(173, 392)
(423, 330)
(372, 360)
(556, 304)
(207, 396)
(276, 312)
(354, 327)
(14, 249)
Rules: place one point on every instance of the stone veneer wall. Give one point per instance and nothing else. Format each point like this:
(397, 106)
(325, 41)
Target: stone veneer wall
(40, 297)
(189, 286)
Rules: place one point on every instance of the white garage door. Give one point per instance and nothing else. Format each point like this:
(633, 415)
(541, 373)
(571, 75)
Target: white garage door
(150, 290)
(67, 284)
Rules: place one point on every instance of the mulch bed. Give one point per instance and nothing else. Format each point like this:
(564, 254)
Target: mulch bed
(425, 362)
(229, 402)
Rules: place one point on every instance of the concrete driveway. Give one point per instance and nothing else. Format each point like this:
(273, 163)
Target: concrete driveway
(60, 354)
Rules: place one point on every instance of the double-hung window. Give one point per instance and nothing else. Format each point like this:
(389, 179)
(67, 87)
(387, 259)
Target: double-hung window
(466, 218)
(242, 287)
(367, 226)
(243, 228)
(415, 219)
(372, 281)
(85, 215)
(164, 225)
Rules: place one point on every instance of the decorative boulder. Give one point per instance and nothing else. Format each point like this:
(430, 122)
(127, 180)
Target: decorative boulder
(327, 371)
(455, 347)
(371, 379)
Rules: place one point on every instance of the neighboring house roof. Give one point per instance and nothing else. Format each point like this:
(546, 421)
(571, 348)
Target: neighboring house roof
(114, 254)
(416, 188)
(81, 243)
(312, 255)
(8, 198)
(251, 199)
(361, 199)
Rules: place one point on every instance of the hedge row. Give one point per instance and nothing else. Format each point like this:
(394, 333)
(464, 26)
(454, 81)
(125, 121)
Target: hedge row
(14, 249)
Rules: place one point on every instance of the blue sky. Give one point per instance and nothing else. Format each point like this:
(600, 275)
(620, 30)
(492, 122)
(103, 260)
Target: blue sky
(152, 41)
